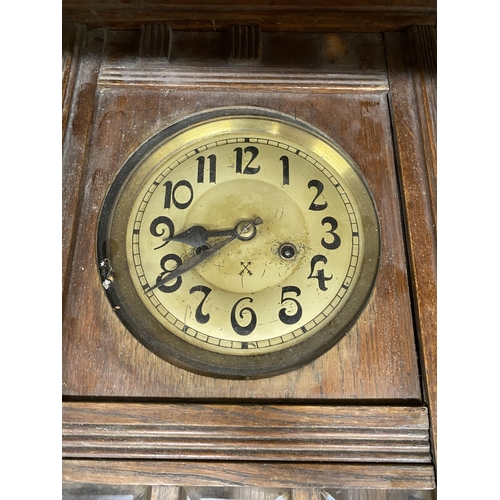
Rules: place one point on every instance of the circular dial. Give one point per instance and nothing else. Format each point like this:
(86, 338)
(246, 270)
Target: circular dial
(239, 242)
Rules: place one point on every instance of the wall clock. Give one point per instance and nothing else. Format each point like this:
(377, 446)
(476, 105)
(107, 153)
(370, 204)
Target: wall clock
(238, 242)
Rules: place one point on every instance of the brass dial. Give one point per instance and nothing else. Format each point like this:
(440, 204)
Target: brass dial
(239, 242)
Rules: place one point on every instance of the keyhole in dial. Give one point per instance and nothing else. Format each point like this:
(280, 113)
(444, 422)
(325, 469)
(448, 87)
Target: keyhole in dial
(287, 251)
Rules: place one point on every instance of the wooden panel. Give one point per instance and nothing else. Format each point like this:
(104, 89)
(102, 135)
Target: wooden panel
(277, 15)
(265, 475)
(376, 360)
(79, 88)
(307, 494)
(72, 40)
(413, 108)
(165, 493)
(246, 432)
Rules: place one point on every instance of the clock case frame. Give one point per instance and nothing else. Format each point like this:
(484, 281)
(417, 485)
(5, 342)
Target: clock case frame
(99, 398)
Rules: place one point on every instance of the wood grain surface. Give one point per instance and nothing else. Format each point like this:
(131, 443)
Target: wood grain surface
(277, 15)
(412, 76)
(376, 360)
(246, 432)
(258, 474)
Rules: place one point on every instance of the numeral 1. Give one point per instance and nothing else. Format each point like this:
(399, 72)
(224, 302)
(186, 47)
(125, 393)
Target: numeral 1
(286, 170)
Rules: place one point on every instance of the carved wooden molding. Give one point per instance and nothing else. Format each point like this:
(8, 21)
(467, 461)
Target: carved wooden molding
(155, 41)
(156, 75)
(246, 432)
(245, 42)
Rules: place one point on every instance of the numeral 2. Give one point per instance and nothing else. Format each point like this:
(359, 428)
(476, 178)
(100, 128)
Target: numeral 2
(318, 185)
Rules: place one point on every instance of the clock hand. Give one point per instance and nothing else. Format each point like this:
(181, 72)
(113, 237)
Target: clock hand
(244, 230)
(196, 236)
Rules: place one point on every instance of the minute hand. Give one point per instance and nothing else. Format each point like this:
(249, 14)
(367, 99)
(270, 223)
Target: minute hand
(197, 259)
(192, 262)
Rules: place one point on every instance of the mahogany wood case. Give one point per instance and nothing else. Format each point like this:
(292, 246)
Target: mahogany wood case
(362, 415)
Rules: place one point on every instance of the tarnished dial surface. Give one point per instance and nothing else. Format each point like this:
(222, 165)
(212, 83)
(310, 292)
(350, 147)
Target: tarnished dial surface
(270, 226)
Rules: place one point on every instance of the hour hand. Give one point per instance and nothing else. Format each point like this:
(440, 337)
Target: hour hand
(244, 230)
(197, 236)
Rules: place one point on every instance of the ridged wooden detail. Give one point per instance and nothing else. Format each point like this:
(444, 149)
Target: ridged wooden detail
(155, 41)
(260, 474)
(246, 432)
(154, 75)
(245, 43)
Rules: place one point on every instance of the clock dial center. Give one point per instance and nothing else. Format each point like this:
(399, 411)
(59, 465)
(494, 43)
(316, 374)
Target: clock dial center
(253, 262)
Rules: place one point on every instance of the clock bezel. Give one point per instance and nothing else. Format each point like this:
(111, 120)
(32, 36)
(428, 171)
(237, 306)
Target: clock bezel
(154, 336)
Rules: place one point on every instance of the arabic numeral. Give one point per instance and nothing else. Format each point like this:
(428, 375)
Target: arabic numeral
(290, 319)
(320, 272)
(318, 185)
(212, 159)
(159, 222)
(163, 264)
(253, 151)
(335, 243)
(242, 314)
(180, 194)
(199, 315)
(286, 169)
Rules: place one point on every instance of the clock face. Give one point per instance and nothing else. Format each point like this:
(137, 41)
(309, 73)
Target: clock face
(238, 242)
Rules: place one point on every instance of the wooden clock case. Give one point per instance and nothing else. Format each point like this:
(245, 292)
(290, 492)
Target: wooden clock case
(363, 415)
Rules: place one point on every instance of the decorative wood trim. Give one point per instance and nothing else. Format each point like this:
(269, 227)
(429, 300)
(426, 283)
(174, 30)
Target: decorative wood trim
(260, 474)
(246, 432)
(155, 41)
(298, 15)
(414, 137)
(245, 43)
(151, 74)
(77, 131)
